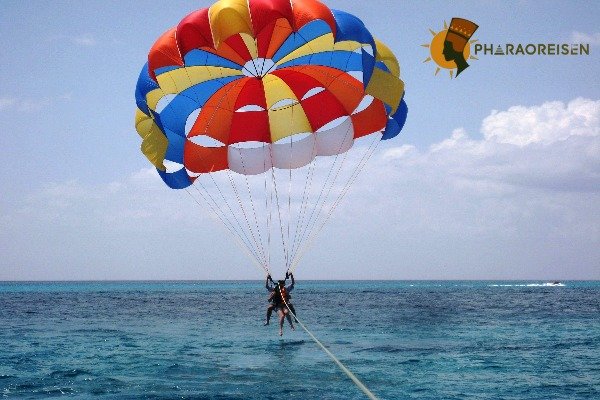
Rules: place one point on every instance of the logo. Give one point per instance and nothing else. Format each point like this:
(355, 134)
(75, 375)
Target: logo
(451, 47)
(533, 49)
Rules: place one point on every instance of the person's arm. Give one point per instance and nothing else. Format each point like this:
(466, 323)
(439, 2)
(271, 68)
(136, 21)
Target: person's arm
(293, 282)
(267, 282)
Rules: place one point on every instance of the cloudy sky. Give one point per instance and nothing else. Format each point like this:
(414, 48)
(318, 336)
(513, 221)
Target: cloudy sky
(496, 174)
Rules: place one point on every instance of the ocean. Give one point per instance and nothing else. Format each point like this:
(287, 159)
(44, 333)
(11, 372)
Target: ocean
(206, 340)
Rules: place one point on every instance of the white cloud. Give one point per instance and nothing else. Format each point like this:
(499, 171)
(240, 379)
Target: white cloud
(30, 105)
(85, 40)
(527, 194)
(546, 124)
(115, 205)
(552, 147)
(593, 39)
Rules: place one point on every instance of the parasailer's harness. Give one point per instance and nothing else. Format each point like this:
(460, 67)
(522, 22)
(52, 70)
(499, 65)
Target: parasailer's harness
(349, 373)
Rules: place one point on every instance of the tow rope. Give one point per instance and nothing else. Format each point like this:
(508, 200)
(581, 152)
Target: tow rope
(349, 373)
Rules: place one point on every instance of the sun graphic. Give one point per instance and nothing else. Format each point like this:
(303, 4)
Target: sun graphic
(436, 48)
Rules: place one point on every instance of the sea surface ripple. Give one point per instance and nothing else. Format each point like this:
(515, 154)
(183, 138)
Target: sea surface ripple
(206, 340)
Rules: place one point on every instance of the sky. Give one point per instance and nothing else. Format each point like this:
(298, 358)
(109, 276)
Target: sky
(496, 174)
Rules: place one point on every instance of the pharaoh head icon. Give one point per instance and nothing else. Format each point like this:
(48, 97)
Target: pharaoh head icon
(457, 37)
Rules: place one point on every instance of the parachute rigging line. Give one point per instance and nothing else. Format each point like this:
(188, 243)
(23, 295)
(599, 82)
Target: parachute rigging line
(247, 242)
(274, 183)
(260, 241)
(268, 202)
(327, 186)
(287, 264)
(305, 197)
(366, 157)
(243, 246)
(240, 203)
(255, 248)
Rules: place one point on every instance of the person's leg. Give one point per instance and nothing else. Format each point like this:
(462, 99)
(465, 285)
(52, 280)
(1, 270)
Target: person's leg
(281, 317)
(269, 312)
(289, 318)
(293, 310)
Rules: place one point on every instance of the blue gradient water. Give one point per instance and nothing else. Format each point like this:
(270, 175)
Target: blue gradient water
(205, 340)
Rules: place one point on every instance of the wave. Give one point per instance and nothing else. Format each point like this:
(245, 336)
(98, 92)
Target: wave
(546, 284)
(71, 373)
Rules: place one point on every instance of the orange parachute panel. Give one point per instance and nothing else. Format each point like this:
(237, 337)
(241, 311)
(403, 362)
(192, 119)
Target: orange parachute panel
(270, 39)
(226, 51)
(202, 159)
(306, 11)
(344, 87)
(216, 115)
(164, 53)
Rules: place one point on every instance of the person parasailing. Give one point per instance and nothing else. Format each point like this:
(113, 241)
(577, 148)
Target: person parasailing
(288, 298)
(271, 290)
(280, 300)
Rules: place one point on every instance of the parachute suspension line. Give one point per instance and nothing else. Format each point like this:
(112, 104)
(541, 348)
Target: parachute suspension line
(216, 207)
(248, 241)
(274, 182)
(328, 186)
(365, 158)
(348, 373)
(301, 228)
(241, 205)
(222, 216)
(289, 214)
(289, 218)
(313, 211)
(368, 153)
(305, 197)
(313, 231)
(243, 246)
(246, 244)
(268, 196)
(260, 241)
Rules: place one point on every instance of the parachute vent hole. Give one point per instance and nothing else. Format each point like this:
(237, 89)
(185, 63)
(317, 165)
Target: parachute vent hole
(333, 124)
(249, 145)
(312, 92)
(297, 137)
(283, 103)
(206, 141)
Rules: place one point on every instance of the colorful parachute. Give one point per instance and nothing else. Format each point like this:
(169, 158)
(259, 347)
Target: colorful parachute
(257, 87)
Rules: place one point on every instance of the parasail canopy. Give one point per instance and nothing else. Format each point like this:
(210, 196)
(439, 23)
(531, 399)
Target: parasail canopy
(258, 102)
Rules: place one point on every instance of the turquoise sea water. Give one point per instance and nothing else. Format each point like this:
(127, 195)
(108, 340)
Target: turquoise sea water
(205, 340)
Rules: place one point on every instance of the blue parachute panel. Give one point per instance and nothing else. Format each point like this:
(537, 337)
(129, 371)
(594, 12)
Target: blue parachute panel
(396, 122)
(350, 27)
(176, 180)
(198, 57)
(145, 85)
(298, 39)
